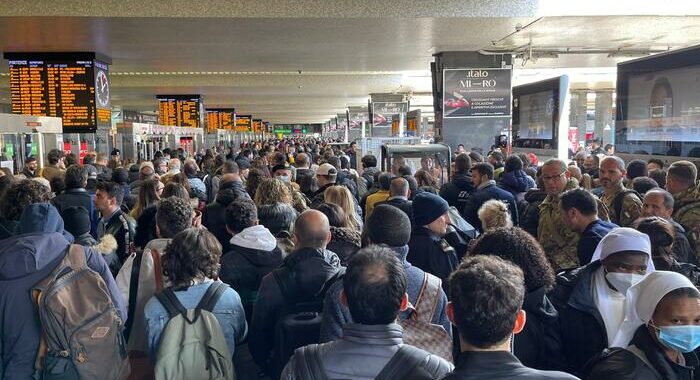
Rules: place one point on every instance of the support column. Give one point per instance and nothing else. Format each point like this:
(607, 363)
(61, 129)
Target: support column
(474, 132)
(604, 125)
(577, 117)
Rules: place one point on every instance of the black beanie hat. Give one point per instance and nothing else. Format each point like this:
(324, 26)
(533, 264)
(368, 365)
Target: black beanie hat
(76, 220)
(389, 225)
(427, 208)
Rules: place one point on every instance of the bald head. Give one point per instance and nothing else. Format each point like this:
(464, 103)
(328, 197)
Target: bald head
(312, 230)
(399, 187)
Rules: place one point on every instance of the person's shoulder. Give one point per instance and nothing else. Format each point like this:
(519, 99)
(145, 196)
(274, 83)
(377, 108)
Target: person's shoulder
(531, 373)
(618, 364)
(434, 364)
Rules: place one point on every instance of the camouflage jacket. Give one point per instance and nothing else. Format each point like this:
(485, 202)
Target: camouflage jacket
(630, 211)
(686, 212)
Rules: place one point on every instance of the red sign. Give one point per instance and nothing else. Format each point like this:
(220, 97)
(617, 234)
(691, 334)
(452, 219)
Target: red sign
(573, 138)
(83, 151)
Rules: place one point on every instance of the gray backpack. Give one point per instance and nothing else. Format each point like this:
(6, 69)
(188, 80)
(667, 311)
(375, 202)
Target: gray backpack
(192, 345)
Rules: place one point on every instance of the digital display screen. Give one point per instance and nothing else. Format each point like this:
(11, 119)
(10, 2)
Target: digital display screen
(537, 115)
(179, 110)
(221, 118)
(76, 90)
(257, 125)
(244, 123)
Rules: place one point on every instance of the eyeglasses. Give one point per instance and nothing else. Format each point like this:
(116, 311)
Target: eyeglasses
(552, 178)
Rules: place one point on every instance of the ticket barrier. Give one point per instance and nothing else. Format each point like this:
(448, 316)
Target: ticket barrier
(22, 136)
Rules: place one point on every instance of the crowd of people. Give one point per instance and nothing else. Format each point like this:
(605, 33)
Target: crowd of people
(295, 259)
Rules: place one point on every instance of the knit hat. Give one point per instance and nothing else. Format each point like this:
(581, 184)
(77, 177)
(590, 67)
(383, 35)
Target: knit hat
(389, 225)
(243, 163)
(76, 220)
(427, 207)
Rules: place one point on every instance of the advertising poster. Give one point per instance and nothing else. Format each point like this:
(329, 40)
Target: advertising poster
(356, 119)
(342, 122)
(383, 113)
(476, 93)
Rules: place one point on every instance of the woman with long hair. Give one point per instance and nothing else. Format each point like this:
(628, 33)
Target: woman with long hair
(149, 194)
(272, 190)
(255, 177)
(341, 196)
(425, 179)
(662, 237)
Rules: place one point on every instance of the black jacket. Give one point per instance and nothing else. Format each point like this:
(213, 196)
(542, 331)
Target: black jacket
(146, 226)
(319, 196)
(529, 212)
(306, 178)
(581, 326)
(214, 215)
(311, 269)
(402, 204)
(74, 198)
(123, 228)
(480, 196)
(244, 268)
(457, 191)
(498, 365)
(432, 254)
(344, 242)
(538, 345)
(681, 246)
(621, 364)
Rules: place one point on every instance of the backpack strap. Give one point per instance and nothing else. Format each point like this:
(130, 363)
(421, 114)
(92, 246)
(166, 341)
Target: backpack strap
(157, 269)
(619, 200)
(212, 296)
(308, 363)
(75, 258)
(133, 293)
(173, 305)
(404, 361)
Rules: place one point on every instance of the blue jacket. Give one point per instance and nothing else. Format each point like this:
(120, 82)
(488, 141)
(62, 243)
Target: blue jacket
(480, 196)
(516, 182)
(25, 260)
(590, 238)
(336, 315)
(228, 311)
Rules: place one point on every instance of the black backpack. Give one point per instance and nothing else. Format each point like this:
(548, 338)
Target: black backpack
(619, 200)
(299, 324)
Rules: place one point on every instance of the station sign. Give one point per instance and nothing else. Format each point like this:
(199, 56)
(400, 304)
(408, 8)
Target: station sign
(180, 110)
(476, 93)
(244, 123)
(220, 118)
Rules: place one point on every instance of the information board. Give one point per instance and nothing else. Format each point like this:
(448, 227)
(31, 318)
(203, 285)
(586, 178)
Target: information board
(220, 118)
(476, 93)
(72, 86)
(179, 110)
(244, 123)
(257, 125)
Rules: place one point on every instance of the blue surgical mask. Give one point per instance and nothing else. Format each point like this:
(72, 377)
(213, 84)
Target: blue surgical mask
(284, 178)
(685, 338)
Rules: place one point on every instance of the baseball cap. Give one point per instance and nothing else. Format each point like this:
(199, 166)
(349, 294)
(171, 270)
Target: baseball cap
(326, 169)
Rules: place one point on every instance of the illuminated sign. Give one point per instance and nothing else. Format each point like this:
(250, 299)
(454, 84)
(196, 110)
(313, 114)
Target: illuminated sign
(179, 110)
(244, 123)
(221, 118)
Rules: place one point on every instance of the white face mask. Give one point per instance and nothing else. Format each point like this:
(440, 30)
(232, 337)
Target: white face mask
(623, 281)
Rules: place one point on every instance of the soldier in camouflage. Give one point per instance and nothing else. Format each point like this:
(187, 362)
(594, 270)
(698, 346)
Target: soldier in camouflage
(681, 182)
(624, 205)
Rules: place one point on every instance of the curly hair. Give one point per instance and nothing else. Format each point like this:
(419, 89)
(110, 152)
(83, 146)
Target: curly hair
(519, 247)
(661, 235)
(174, 215)
(255, 177)
(494, 214)
(424, 178)
(272, 190)
(22, 194)
(241, 214)
(193, 254)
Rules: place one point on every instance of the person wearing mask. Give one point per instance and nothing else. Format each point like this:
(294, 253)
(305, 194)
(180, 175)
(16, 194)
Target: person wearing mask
(30, 168)
(387, 227)
(681, 182)
(457, 191)
(624, 206)
(253, 253)
(311, 264)
(28, 258)
(486, 332)
(381, 195)
(579, 212)
(592, 297)
(660, 203)
(114, 222)
(191, 264)
(284, 173)
(55, 167)
(662, 329)
(486, 189)
(374, 290)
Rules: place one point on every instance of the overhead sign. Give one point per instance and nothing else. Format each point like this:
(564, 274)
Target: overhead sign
(476, 93)
(179, 110)
(357, 118)
(73, 86)
(257, 125)
(220, 118)
(244, 123)
(383, 113)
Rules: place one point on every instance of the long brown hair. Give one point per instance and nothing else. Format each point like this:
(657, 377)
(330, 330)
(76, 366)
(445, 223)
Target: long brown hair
(148, 195)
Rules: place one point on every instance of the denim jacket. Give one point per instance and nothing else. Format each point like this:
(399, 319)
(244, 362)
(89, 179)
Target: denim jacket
(228, 311)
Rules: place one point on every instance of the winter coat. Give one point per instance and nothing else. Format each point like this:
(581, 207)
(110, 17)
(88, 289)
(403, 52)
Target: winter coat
(517, 183)
(362, 352)
(539, 345)
(529, 212)
(214, 215)
(7, 228)
(498, 365)
(402, 204)
(27, 259)
(74, 198)
(344, 242)
(686, 211)
(581, 326)
(336, 315)
(432, 254)
(123, 228)
(253, 254)
(590, 237)
(682, 249)
(458, 190)
(311, 269)
(480, 196)
(622, 364)
(146, 226)
(306, 179)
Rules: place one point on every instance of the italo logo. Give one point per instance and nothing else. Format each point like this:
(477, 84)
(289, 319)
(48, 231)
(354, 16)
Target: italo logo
(476, 74)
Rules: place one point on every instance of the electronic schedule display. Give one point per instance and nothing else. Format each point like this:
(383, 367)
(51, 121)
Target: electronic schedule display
(179, 110)
(72, 86)
(221, 118)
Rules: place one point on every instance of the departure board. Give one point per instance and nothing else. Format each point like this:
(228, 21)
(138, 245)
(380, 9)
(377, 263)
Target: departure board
(221, 118)
(179, 110)
(257, 125)
(244, 123)
(72, 86)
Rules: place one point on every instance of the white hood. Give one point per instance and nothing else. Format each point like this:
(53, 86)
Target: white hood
(256, 237)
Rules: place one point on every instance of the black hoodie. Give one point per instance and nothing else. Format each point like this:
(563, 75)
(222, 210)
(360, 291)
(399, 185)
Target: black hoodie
(457, 190)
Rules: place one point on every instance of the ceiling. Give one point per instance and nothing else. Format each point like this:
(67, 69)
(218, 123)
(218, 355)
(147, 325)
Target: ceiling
(253, 63)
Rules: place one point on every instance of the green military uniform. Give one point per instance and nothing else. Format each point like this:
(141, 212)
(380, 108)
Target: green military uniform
(686, 211)
(559, 242)
(630, 211)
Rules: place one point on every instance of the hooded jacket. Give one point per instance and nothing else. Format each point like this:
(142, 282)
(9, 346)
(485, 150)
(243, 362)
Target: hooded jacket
(539, 345)
(344, 242)
(529, 212)
(253, 254)
(25, 260)
(310, 270)
(517, 183)
(214, 215)
(460, 184)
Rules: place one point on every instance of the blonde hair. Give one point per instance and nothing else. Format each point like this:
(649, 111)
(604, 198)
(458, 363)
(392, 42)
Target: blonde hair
(340, 195)
(272, 190)
(494, 214)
